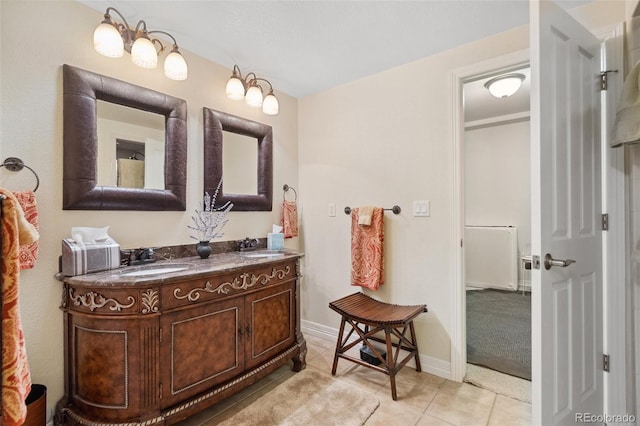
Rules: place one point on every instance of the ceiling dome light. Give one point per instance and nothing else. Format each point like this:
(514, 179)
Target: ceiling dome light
(107, 40)
(175, 67)
(505, 85)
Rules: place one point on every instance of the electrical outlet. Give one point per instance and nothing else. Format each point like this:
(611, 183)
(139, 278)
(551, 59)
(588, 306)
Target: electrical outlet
(421, 208)
(332, 209)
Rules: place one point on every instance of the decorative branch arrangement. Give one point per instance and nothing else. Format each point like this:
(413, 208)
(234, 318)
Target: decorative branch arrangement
(209, 222)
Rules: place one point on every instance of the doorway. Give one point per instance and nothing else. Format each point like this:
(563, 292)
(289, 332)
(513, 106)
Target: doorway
(616, 379)
(497, 230)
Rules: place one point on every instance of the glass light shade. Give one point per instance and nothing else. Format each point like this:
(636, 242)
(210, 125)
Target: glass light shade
(143, 53)
(270, 105)
(254, 96)
(175, 67)
(235, 88)
(504, 86)
(107, 41)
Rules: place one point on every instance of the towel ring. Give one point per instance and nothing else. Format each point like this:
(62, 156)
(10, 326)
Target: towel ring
(286, 188)
(15, 164)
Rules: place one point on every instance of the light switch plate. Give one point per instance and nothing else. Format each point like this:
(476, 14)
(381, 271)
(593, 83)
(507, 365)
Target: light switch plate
(332, 209)
(421, 208)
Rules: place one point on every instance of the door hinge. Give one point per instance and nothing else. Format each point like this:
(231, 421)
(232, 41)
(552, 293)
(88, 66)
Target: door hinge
(605, 222)
(603, 79)
(535, 262)
(160, 389)
(461, 244)
(160, 335)
(605, 362)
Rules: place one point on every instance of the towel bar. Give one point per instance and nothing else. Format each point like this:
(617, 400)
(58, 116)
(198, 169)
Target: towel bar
(394, 209)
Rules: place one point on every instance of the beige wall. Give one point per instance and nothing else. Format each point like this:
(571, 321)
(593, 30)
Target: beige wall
(384, 140)
(387, 139)
(37, 39)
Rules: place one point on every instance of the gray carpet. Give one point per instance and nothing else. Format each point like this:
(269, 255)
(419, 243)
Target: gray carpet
(499, 331)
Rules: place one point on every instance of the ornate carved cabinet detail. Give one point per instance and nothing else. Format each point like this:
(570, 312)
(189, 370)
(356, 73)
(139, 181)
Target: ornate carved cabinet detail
(158, 350)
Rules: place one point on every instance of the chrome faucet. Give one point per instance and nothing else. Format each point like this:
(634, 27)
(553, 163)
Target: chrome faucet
(141, 255)
(248, 244)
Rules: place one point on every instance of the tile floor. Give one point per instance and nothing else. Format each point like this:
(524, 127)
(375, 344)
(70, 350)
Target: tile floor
(423, 399)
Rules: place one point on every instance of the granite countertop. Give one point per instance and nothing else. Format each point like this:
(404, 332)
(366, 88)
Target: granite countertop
(180, 269)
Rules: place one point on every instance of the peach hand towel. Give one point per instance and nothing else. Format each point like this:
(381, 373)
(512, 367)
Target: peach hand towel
(364, 215)
(367, 260)
(28, 252)
(16, 378)
(289, 219)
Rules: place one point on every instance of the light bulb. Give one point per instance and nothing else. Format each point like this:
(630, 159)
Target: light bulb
(143, 53)
(107, 41)
(235, 88)
(254, 96)
(175, 67)
(270, 104)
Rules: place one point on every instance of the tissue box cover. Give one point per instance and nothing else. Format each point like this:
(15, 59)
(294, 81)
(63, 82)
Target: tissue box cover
(80, 259)
(275, 241)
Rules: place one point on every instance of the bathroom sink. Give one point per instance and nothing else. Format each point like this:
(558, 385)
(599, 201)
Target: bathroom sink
(156, 270)
(262, 254)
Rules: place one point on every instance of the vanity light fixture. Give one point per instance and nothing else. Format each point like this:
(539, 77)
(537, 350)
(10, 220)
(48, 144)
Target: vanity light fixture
(504, 86)
(111, 38)
(249, 88)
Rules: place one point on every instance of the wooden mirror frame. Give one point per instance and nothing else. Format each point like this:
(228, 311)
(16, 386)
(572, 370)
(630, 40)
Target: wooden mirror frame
(214, 123)
(80, 191)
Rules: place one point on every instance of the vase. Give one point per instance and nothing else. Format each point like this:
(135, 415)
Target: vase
(203, 249)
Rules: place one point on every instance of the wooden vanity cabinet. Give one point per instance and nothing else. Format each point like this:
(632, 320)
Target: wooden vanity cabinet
(100, 363)
(197, 342)
(190, 350)
(254, 328)
(271, 319)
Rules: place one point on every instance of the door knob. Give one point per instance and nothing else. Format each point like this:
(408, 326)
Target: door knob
(550, 261)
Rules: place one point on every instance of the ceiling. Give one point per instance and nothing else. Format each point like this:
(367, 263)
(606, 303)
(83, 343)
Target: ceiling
(307, 46)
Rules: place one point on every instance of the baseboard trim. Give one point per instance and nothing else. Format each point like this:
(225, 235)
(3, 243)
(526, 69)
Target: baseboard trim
(429, 364)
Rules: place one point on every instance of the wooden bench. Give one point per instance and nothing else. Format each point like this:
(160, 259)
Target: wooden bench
(368, 317)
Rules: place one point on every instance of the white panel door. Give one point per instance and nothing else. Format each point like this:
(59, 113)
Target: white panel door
(566, 225)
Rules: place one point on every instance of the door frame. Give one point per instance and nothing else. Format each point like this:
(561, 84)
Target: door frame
(613, 201)
(461, 76)
(615, 274)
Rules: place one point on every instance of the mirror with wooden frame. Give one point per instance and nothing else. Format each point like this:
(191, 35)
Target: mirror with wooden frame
(216, 125)
(82, 89)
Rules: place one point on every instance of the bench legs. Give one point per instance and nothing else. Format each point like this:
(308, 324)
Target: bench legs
(391, 369)
(338, 346)
(390, 365)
